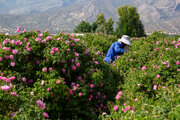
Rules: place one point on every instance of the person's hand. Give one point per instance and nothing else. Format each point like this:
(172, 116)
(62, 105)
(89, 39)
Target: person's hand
(126, 47)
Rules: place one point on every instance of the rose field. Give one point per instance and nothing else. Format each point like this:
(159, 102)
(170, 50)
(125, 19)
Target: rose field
(64, 77)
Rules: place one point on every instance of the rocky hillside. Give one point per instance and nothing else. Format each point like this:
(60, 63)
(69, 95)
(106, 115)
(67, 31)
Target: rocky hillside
(59, 15)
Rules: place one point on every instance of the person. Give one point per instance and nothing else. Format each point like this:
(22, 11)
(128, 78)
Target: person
(118, 48)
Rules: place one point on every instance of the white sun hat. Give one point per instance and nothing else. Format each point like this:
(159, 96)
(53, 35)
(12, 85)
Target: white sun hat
(125, 39)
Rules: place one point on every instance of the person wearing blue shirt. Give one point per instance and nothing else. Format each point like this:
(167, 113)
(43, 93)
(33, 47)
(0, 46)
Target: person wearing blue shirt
(118, 48)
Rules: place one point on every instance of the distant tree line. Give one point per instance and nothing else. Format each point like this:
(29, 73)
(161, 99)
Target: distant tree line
(129, 23)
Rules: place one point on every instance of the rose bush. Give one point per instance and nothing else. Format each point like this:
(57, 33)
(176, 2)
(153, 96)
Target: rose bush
(55, 77)
(99, 42)
(151, 73)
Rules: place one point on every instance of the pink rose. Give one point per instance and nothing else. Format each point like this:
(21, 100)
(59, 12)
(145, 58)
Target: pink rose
(155, 87)
(80, 94)
(71, 92)
(24, 79)
(96, 62)
(29, 49)
(118, 97)
(45, 115)
(48, 89)
(144, 67)
(18, 29)
(53, 48)
(67, 42)
(12, 64)
(92, 85)
(58, 81)
(120, 93)
(163, 87)
(5, 88)
(13, 93)
(57, 49)
(32, 93)
(11, 56)
(42, 82)
(52, 52)
(72, 44)
(25, 39)
(116, 108)
(40, 104)
(78, 64)
(40, 35)
(74, 67)
(97, 53)
(74, 88)
(50, 68)
(158, 76)
(76, 54)
(1, 59)
(44, 69)
(167, 48)
(14, 52)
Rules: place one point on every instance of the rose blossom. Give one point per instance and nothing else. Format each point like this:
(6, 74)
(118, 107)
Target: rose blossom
(5, 88)
(44, 69)
(42, 82)
(74, 67)
(80, 94)
(58, 81)
(24, 79)
(13, 93)
(144, 67)
(155, 87)
(12, 64)
(57, 49)
(177, 62)
(14, 52)
(158, 76)
(116, 108)
(45, 115)
(118, 97)
(52, 52)
(40, 104)
(78, 64)
(92, 85)
(50, 68)
(1, 59)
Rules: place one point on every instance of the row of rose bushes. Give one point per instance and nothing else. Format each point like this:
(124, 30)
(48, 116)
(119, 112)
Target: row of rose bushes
(151, 88)
(55, 77)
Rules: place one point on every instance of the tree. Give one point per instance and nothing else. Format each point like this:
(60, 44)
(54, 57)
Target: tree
(94, 27)
(100, 19)
(129, 22)
(101, 23)
(109, 26)
(83, 27)
(140, 30)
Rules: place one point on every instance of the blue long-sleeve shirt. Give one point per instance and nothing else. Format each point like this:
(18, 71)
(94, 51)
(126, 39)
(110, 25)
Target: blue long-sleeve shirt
(115, 49)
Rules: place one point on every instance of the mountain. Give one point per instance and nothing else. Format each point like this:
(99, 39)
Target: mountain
(19, 7)
(64, 15)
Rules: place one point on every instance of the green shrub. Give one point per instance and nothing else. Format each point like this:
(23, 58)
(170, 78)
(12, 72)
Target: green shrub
(151, 80)
(55, 75)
